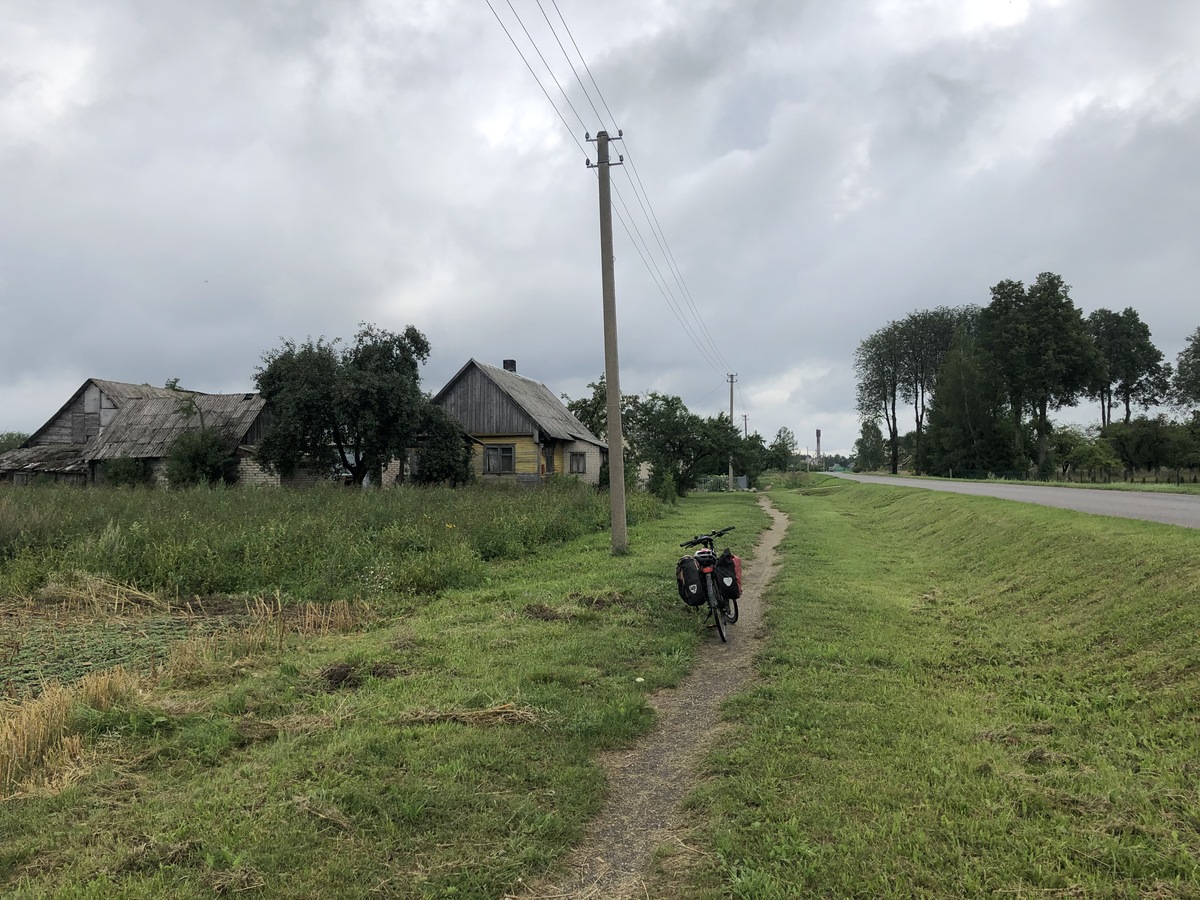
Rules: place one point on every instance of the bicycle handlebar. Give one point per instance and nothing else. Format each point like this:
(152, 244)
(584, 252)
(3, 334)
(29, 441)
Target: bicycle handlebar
(707, 539)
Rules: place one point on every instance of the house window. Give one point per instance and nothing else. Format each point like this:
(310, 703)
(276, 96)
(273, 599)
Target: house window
(499, 459)
(578, 464)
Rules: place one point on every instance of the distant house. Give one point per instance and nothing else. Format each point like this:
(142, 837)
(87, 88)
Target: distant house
(107, 420)
(522, 431)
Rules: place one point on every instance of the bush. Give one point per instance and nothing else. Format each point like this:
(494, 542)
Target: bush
(200, 458)
(128, 472)
(662, 486)
(444, 456)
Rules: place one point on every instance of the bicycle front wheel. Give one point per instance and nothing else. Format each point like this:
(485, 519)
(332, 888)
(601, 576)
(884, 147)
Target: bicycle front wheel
(714, 605)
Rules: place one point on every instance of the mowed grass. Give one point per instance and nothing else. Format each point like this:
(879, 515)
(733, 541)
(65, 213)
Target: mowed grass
(445, 747)
(1187, 486)
(961, 697)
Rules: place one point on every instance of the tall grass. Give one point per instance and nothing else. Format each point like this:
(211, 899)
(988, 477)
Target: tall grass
(311, 545)
(37, 730)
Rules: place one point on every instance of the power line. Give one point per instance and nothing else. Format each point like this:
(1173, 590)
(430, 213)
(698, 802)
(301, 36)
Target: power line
(582, 124)
(651, 216)
(664, 289)
(535, 78)
(694, 324)
(567, 57)
(612, 118)
(687, 324)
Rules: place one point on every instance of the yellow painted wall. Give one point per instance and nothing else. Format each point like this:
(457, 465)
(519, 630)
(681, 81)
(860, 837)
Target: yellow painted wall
(529, 459)
(526, 456)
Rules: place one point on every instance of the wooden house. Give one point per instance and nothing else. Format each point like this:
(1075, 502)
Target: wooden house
(522, 431)
(107, 420)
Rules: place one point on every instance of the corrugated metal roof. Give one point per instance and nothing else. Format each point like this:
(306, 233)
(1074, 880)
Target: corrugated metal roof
(540, 404)
(118, 392)
(122, 392)
(46, 458)
(147, 427)
(146, 424)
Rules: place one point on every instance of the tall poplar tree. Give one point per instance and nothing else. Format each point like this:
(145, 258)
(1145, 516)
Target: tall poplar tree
(878, 365)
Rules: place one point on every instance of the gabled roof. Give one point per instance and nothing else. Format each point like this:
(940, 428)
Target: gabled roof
(146, 427)
(119, 392)
(145, 424)
(535, 399)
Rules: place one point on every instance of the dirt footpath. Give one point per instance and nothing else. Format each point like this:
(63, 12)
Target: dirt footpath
(647, 783)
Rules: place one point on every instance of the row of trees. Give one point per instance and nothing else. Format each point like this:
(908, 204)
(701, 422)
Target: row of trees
(982, 382)
(677, 445)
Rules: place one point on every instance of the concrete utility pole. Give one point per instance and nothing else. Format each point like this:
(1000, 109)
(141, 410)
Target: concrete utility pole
(612, 377)
(745, 425)
(732, 379)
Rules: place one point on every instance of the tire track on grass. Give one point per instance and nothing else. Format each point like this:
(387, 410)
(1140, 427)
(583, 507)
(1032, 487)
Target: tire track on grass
(648, 782)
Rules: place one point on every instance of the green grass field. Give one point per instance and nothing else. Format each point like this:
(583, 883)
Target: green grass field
(959, 697)
(433, 746)
(962, 697)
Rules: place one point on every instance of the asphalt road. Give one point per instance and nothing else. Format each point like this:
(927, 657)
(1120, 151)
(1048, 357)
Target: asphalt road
(1171, 509)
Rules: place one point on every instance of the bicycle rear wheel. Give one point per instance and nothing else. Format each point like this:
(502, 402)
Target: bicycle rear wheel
(732, 615)
(714, 605)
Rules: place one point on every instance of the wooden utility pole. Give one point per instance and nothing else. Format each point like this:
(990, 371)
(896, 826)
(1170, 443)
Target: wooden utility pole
(732, 378)
(612, 377)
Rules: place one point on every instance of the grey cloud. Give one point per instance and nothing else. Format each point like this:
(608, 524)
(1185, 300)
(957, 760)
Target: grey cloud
(227, 174)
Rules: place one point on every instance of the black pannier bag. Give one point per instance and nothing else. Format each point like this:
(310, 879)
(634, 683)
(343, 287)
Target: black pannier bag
(687, 574)
(728, 573)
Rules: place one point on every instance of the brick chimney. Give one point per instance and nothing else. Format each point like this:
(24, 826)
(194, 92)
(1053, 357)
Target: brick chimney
(510, 365)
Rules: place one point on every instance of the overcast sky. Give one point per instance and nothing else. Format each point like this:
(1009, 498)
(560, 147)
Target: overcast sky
(184, 183)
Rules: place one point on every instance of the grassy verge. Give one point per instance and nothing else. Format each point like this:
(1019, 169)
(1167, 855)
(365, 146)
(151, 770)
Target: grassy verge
(962, 697)
(1145, 487)
(441, 746)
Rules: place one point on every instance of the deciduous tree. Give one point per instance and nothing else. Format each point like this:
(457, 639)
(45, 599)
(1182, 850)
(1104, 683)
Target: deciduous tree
(11, 440)
(869, 451)
(199, 458)
(335, 406)
(1042, 349)
(678, 444)
(1133, 371)
(926, 336)
(969, 425)
(782, 449)
(1186, 383)
(878, 363)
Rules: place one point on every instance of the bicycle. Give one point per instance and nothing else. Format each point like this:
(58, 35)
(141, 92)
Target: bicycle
(722, 610)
